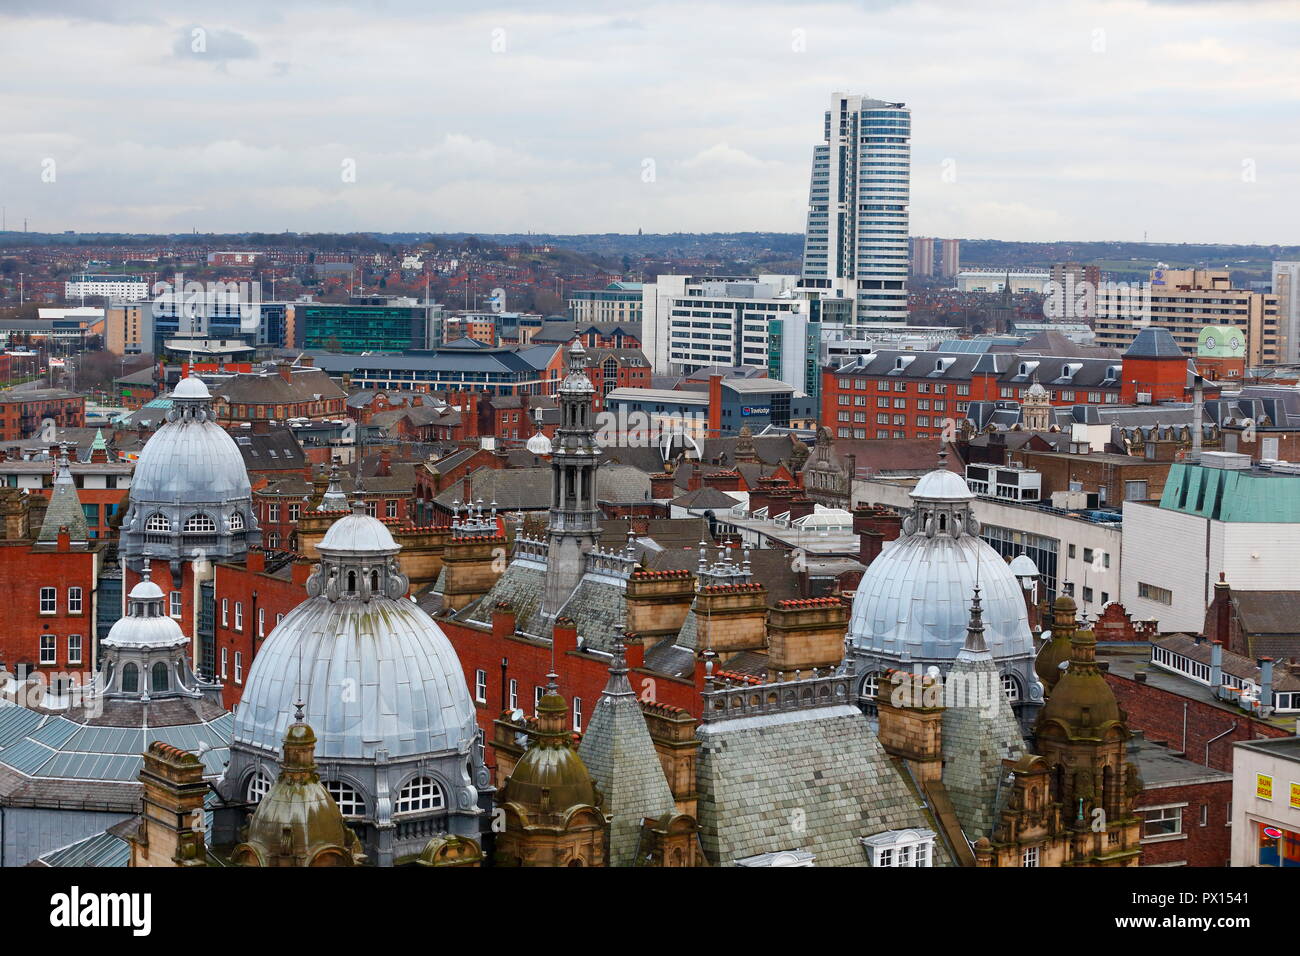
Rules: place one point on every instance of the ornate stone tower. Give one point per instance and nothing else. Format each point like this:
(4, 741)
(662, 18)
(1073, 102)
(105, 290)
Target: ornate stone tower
(553, 810)
(574, 524)
(1036, 408)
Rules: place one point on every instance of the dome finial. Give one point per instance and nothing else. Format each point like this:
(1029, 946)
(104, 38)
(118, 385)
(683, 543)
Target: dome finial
(144, 571)
(358, 507)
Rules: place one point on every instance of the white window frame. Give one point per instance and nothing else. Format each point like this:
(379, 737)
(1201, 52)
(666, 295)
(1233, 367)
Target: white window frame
(49, 601)
(577, 715)
(901, 848)
(351, 803)
(175, 605)
(49, 649)
(239, 615)
(1165, 812)
(419, 796)
(261, 622)
(74, 600)
(259, 785)
(225, 659)
(74, 648)
(1030, 858)
(225, 612)
(239, 667)
(480, 686)
(514, 694)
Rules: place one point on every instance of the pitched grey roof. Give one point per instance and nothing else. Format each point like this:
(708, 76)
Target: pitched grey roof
(522, 585)
(621, 758)
(976, 742)
(595, 606)
(64, 510)
(816, 780)
(1154, 342)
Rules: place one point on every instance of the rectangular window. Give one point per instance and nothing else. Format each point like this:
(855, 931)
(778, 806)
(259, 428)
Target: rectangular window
(577, 715)
(261, 622)
(295, 512)
(175, 604)
(480, 686)
(49, 600)
(224, 658)
(537, 698)
(1030, 857)
(1153, 593)
(74, 648)
(49, 654)
(272, 512)
(372, 509)
(225, 612)
(239, 615)
(514, 694)
(239, 667)
(74, 600)
(390, 509)
(1167, 821)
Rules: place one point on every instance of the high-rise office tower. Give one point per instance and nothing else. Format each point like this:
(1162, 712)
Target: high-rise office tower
(857, 206)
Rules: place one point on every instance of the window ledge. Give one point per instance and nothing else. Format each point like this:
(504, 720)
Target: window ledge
(1167, 838)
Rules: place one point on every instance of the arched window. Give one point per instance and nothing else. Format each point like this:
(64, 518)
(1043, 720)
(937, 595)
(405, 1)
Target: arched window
(420, 794)
(352, 582)
(871, 686)
(351, 803)
(159, 677)
(259, 785)
(1011, 687)
(130, 678)
(236, 522)
(199, 524)
(374, 582)
(157, 522)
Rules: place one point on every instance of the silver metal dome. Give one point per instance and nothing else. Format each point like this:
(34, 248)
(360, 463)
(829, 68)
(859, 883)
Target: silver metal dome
(914, 600)
(374, 671)
(190, 493)
(376, 677)
(539, 444)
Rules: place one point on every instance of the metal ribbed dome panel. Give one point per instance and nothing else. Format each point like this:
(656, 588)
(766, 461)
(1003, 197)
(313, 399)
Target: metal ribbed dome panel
(377, 675)
(915, 598)
(189, 462)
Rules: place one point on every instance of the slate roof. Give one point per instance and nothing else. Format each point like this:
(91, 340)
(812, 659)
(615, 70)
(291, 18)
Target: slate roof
(269, 387)
(621, 758)
(595, 606)
(529, 489)
(522, 585)
(975, 743)
(1233, 664)
(816, 780)
(277, 449)
(64, 510)
(706, 498)
(1154, 342)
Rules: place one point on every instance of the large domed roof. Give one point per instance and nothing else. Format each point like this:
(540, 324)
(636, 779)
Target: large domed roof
(159, 631)
(915, 596)
(373, 675)
(190, 459)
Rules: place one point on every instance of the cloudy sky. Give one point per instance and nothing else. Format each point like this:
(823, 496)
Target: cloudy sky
(1032, 120)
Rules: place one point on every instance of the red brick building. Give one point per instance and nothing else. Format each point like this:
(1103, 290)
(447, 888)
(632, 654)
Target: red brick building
(1186, 808)
(22, 411)
(249, 602)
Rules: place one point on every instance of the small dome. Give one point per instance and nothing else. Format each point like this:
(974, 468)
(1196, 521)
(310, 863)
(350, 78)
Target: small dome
(146, 590)
(1036, 391)
(191, 387)
(1081, 703)
(943, 485)
(539, 444)
(358, 533)
(1022, 566)
(138, 631)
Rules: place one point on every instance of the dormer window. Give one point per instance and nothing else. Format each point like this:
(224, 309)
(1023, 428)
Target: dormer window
(898, 848)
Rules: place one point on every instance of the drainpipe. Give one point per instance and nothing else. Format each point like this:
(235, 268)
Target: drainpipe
(1220, 737)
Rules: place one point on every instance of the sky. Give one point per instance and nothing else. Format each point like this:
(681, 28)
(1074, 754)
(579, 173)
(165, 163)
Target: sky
(1035, 121)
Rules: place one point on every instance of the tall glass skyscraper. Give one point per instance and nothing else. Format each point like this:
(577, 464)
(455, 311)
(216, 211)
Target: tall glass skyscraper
(857, 207)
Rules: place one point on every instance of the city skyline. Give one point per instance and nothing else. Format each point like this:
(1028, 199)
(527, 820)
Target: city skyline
(669, 119)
